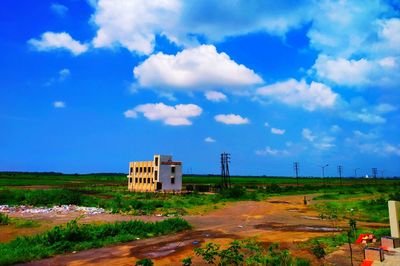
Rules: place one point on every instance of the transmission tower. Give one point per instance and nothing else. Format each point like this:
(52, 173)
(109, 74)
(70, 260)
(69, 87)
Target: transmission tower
(340, 169)
(225, 176)
(296, 168)
(374, 172)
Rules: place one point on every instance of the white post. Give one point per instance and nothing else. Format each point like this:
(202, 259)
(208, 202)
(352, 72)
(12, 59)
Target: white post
(394, 217)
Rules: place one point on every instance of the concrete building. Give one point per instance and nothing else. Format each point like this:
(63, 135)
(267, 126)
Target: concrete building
(161, 174)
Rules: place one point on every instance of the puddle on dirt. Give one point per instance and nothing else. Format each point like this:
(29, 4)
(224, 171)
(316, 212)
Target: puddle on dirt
(296, 228)
(310, 218)
(279, 201)
(189, 240)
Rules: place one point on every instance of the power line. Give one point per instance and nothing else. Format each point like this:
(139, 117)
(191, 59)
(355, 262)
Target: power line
(340, 169)
(225, 175)
(374, 172)
(296, 171)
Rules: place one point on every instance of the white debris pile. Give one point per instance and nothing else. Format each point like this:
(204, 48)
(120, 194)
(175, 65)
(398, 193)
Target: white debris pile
(63, 209)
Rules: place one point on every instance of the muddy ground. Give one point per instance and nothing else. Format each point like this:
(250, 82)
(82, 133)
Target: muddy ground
(283, 219)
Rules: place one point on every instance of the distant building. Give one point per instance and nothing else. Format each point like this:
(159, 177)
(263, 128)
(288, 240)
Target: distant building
(161, 174)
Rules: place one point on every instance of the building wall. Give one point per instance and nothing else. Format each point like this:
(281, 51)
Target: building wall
(153, 175)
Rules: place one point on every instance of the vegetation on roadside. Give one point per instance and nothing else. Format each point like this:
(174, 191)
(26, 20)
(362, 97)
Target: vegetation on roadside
(247, 252)
(4, 219)
(74, 237)
(321, 246)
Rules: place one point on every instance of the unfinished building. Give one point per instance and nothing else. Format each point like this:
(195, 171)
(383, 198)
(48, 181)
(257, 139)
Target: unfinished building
(161, 174)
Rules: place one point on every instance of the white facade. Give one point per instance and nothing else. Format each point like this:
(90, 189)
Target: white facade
(161, 174)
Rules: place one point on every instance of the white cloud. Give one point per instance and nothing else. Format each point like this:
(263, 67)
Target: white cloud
(199, 68)
(209, 139)
(266, 124)
(364, 116)
(52, 41)
(59, 9)
(64, 73)
(134, 24)
(231, 119)
(343, 71)
(308, 135)
(130, 114)
(178, 115)
(335, 128)
(269, 151)
(59, 104)
(215, 96)
(362, 72)
(277, 131)
(392, 149)
(383, 108)
(299, 93)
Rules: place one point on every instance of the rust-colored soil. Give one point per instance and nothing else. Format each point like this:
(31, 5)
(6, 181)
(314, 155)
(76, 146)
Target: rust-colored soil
(282, 219)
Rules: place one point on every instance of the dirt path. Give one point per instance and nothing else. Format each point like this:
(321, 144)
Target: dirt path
(281, 219)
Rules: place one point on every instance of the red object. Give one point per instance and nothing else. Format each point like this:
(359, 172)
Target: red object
(384, 248)
(360, 238)
(367, 263)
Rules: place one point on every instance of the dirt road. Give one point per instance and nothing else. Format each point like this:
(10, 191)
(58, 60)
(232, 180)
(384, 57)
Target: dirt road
(281, 219)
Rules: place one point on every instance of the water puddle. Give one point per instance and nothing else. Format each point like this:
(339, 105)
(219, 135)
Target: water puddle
(296, 228)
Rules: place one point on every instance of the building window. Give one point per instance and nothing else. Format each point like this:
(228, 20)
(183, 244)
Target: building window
(173, 169)
(130, 180)
(173, 180)
(144, 169)
(141, 169)
(137, 170)
(131, 170)
(156, 161)
(140, 180)
(156, 175)
(136, 180)
(148, 180)
(149, 169)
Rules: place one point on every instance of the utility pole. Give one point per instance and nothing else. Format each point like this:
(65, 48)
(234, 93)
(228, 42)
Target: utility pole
(382, 171)
(355, 172)
(296, 171)
(374, 173)
(323, 171)
(340, 169)
(225, 176)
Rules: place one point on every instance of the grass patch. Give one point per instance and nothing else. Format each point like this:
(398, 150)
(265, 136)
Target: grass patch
(75, 237)
(333, 242)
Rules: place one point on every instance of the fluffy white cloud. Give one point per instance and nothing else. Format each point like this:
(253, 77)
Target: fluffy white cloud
(364, 116)
(307, 134)
(384, 108)
(134, 23)
(215, 96)
(231, 119)
(362, 72)
(64, 73)
(269, 151)
(277, 131)
(299, 93)
(59, 9)
(199, 68)
(59, 104)
(392, 149)
(130, 114)
(52, 41)
(177, 115)
(209, 139)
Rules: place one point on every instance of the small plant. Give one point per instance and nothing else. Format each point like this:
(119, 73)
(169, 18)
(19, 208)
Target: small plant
(187, 261)
(4, 219)
(144, 262)
(318, 250)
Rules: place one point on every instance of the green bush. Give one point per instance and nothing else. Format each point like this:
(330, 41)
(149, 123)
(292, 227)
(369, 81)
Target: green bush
(76, 236)
(4, 219)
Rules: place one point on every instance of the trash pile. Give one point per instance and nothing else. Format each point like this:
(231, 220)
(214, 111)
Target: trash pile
(63, 209)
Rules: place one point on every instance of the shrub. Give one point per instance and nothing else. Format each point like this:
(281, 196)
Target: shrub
(4, 219)
(318, 250)
(144, 262)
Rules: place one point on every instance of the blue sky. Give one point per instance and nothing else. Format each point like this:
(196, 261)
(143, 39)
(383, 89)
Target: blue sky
(87, 86)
